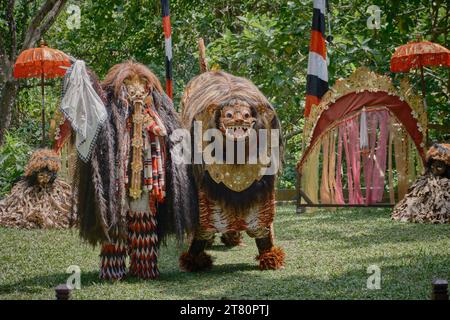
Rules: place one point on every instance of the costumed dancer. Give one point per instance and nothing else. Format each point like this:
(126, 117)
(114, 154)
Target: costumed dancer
(236, 196)
(39, 199)
(428, 199)
(130, 194)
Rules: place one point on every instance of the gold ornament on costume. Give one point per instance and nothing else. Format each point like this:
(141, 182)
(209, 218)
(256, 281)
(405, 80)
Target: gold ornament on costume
(136, 95)
(235, 177)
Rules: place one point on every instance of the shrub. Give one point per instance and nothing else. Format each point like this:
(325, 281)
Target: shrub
(14, 154)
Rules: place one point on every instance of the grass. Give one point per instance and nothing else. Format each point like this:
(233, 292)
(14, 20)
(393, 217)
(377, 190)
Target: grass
(327, 256)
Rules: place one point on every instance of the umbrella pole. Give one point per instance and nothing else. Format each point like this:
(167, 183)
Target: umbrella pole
(43, 110)
(423, 88)
(424, 100)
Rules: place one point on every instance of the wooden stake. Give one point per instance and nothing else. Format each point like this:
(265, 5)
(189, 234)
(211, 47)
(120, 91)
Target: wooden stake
(440, 290)
(202, 56)
(62, 292)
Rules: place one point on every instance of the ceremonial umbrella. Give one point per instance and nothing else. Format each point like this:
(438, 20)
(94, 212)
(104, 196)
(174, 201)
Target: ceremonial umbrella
(42, 62)
(417, 55)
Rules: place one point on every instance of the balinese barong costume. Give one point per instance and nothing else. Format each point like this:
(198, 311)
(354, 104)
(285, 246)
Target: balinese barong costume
(233, 197)
(428, 199)
(130, 193)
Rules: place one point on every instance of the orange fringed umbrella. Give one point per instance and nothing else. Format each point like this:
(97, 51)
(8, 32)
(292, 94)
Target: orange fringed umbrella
(42, 62)
(417, 55)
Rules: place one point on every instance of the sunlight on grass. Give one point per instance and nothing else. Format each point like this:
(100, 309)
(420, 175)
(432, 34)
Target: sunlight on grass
(327, 255)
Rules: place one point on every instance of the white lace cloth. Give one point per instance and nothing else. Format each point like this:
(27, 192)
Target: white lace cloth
(82, 106)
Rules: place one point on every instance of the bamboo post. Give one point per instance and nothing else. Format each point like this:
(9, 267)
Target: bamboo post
(300, 194)
(202, 56)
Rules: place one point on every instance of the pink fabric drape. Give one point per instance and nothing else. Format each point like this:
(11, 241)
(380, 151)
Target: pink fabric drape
(374, 164)
(350, 139)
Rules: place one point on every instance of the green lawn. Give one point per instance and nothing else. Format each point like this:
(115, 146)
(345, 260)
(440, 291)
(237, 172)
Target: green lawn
(327, 255)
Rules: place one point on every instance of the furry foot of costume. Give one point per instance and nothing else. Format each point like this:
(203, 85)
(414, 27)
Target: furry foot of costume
(231, 239)
(195, 263)
(272, 259)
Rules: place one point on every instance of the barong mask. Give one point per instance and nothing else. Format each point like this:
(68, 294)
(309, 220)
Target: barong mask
(236, 121)
(237, 117)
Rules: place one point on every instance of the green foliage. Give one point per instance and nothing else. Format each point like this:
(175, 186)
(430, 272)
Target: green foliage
(25, 134)
(14, 154)
(264, 40)
(27, 121)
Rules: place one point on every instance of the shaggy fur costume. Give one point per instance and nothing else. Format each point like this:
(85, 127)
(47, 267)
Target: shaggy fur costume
(271, 259)
(99, 208)
(231, 239)
(222, 208)
(428, 199)
(101, 188)
(32, 205)
(194, 263)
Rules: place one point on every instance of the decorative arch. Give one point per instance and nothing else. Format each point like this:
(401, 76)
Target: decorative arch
(364, 92)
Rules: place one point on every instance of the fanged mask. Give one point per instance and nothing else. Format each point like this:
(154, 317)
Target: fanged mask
(438, 168)
(136, 89)
(236, 121)
(44, 178)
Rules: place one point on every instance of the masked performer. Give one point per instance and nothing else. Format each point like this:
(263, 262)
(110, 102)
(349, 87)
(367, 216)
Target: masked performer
(428, 199)
(40, 199)
(236, 196)
(130, 193)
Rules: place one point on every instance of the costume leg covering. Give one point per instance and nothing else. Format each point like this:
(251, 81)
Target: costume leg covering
(112, 260)
(270, 257)
(196, 259)
(143, 245)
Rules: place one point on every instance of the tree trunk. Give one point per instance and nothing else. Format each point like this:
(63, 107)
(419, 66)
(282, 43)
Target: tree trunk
(8, 97)
(8, 92)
